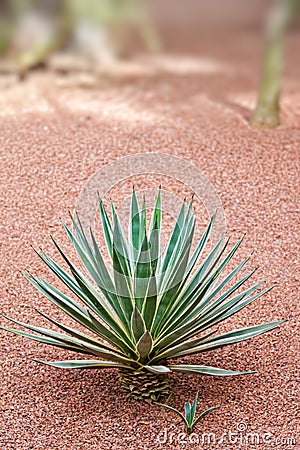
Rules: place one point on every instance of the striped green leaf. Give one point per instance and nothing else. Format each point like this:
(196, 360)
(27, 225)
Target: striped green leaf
(84, 364)
(206, 370)
(144, 346)
(138, 327)
(134, 228)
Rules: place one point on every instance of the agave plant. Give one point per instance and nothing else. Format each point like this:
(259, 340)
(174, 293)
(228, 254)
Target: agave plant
(152, 306)
(189, 420)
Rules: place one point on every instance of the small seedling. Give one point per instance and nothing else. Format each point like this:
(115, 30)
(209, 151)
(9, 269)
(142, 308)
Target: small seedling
(190, 411)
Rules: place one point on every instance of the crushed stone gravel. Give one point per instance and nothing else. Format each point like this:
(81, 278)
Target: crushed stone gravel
(52, 141)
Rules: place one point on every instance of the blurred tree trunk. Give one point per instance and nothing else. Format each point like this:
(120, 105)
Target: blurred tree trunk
(266, 113)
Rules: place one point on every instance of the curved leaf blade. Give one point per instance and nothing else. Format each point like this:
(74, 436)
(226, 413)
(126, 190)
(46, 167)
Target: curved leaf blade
(137, 324)
(83, 364)
(144, 346)
(206, 370)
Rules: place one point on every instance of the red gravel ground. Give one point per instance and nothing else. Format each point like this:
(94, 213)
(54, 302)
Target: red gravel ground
(52, 141)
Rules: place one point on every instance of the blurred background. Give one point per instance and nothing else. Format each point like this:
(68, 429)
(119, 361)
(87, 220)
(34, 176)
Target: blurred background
(109, 39)
(91, 34)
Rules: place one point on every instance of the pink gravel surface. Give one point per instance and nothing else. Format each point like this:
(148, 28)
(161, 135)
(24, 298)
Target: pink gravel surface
(52, 141)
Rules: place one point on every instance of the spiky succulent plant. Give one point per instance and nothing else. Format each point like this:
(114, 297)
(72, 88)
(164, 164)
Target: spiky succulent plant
(152, 306)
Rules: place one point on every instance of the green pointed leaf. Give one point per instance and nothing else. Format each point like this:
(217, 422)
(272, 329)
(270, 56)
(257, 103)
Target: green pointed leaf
(89, 295)
(157, 214)
(201, 245)
(123, 290)
(197, 323)
(143, 221)
(207, 266)
(194, 406)
(182, 232)
(120, 245)
(195, 307)
(202, 415)
(46, 340)
(231, 306)
(154, 244)
(164, 405)
(187, 410)
(154, 233)
(63, 302)
(186, 301)
(92, 259)
(107, 227)
(122, 274)
(206, 370)
(85, 338)
(157, 369)
(134, 229)
(107, 286)
(112, 338)
(173, 283)
(137, 324)
(150, 303)
(69, 343)
(83, 364)
(142, 274)
(76, 312)
(94, 263)
(144, 345)
(206, 300)
(233, 337)
(173, 242)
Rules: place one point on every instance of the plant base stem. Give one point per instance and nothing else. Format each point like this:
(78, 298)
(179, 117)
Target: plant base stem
(144, 385)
